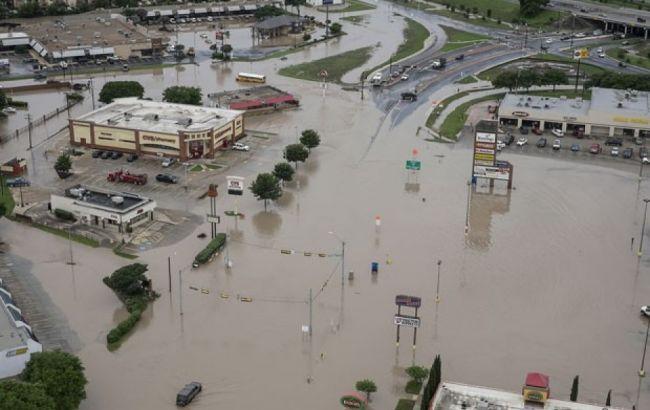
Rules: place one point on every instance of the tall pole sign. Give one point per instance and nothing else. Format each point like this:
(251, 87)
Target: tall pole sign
(407, 320)
(484, 160)
(213, 218)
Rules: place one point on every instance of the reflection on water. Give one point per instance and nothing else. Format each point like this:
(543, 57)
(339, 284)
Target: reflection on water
(267, 223)
(484, 203)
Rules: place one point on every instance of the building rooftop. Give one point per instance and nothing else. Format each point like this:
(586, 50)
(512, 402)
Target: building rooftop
(10, 334)
(550, 106)
(113, 201)
(161, 117)
(277, 22)
(455, 396)
(628, 102)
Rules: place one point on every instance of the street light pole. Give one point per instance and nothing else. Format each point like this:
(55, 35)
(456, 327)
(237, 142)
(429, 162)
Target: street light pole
(438, 283)
(342, 258)
(645, 347)
(645, 215)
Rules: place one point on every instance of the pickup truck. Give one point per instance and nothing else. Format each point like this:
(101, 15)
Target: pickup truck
(439, 63)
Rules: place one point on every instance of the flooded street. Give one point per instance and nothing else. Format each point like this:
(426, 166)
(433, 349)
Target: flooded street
(544, 280)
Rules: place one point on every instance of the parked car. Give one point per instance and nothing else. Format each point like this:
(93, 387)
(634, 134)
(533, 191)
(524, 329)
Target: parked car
(578, 132)
(460, 57)
(612, 141)
(557, 132)
(510, 139)
(238, 146)
(522, 141)
(628, 153)
(523, 130)
(595, 148)
(97, 154)
(614, 152)
(168, 162)
(105, 155)
(405, 77)
(17, 182)
(541, 143)
(643, 152)
(167, 178)
(575, 147)
(638, 141)
(188, 393)
(500, 145)
(116, 155)
(557, 144)
(537, 131)
(131, 157)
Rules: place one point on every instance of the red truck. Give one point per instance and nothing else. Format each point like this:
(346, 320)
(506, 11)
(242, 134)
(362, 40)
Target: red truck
(126, 176)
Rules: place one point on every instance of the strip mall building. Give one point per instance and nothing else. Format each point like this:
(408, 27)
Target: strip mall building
(146, 127)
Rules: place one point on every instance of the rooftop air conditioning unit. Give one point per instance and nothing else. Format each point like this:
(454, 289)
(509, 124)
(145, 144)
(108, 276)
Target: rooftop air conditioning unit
(117, 200)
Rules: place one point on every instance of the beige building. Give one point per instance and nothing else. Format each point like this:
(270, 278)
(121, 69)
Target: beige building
(156, 128)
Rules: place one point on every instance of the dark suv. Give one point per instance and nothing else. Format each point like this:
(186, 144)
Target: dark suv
(614, 141)
(188, 393)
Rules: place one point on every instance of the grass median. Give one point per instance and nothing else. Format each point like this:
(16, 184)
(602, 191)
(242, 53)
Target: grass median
(629, 58)
(589, 69)
(6, 200)
(458, 39)
(336, 66)
(352, 5)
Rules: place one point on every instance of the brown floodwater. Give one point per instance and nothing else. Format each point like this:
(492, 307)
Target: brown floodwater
(544, 280)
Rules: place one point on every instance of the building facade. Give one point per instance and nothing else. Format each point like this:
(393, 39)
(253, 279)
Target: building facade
(609, 113)
(154, 128)
(17, 341)
(107, 209)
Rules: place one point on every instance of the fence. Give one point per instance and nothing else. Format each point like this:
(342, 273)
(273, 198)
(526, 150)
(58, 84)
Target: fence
(38, 121)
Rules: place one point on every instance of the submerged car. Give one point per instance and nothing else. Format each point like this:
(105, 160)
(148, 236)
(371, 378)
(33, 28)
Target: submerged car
(522, 141)
(628, 153)
(557, 145)
(595, 148)
(188, 393)
(575, 147)
(541, 143)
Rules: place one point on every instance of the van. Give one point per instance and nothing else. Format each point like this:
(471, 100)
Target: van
(188, 393)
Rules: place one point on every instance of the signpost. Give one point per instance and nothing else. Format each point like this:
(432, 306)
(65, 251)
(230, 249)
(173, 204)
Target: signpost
(213, 219)
(484, 161)
(407, 320)
(413, 165)
(235, 185)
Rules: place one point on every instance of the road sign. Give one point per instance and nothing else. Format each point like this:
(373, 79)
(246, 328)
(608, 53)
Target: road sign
(580, 53)
(413, 165)
(213, 218)
(404, 320)
(408, 301)
(235, 185)
(323, 73)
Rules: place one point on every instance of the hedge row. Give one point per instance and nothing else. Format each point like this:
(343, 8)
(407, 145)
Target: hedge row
(215, 245)
(64, 215)
(124, 327)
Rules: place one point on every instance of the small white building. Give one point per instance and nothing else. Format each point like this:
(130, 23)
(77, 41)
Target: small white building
(320, 3)
(17, 341)
(108, 209)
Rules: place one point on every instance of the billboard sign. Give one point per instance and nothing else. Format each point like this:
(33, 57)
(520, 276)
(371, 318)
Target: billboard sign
(492, 172)
(580, 53)
(235, 185)
(486, 137)
(408, 301)
(413, 165)
(405, 320)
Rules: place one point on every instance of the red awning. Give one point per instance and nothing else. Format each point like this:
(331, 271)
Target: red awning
(246, 105)
(280, 99)
(537, 380)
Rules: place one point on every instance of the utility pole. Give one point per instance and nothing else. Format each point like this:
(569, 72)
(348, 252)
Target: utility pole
(71, 261)
(169, 273)
(327, 20)
(311, 300)
(469, 193)
(29, 129)
(645, 214)
(92, 91)
(343, 263)
(438, 283)
(645, 347)
(180, 290)
(577, 75)
(362, 79)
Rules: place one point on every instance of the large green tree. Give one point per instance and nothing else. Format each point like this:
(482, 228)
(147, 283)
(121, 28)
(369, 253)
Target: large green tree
(17, 395)
(129, 279)
(506, 79)
(183, 95)
(417, 373)
(120, 89)
(367, 386)
(283, 171)
(266, 187)
(335, 28)
(554, 77)
(530, 8)
(295, 3)
(574, 389)
(640, 82)
(435, 377)
(296, 153)
(61, 375)
(310, 139)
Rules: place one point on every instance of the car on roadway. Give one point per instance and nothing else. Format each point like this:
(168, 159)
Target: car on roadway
(565, 38)
(549, 40)
(557, 132)
(640, 20)
(595, 149)
(601, 55)
(510, 139)
(579, 35)
(522, 141)
(575, 147)
(97, 153)
(168, 162)
(622, 64)
(599, 50)
(460, 57)
(188, 393)
(405, 77)
(614, 152)
(17, 182)
(557, 144)
(628, 153)
(238, 146)
(541, 143)
(167, 178)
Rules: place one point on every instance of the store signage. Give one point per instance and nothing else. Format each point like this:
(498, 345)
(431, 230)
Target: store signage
(520, 114)
(484, 151)
(484, 157)
(352, 402)
(569, 118)
(213, 219)
(404, 320)
(486, 137)
(408, 301)
(492, 172)
(155, 138)
(484, 145)
(632, 120)
(484, 163)
(235, 185)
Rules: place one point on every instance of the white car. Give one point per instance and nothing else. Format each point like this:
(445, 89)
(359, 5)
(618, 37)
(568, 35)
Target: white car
(580, 35)
(557, 145)
(645, 160)
(168, 162)
(601, 55)
(405, 77)
(600, 50)
(549, 40)
(500, 145)
(614, 152)
(522, 141)
(238, 146)
(557, 132)
(645, 310)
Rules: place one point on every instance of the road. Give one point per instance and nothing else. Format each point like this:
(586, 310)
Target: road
(603, 13)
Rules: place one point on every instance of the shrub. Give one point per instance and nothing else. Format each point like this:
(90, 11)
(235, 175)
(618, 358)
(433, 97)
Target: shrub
(215, 245)
(128, 279)
(124, 327)
(64, 215)
(413, 387)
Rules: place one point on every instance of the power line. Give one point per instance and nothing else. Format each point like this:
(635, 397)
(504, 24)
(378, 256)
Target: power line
(286, 251)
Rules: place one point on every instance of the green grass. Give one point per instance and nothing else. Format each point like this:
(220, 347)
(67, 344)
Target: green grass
(488, 75)
(477, 22)
(196, 168)
(441, 106)
(6, 199)
(413, 387)
(64, 234)
(353, 5)
(336, 66)
(405, 404)
(213, 166)
(355, 19)
(629, 58)
(415, 35)
(455, 121)
(119, 252)
(467, 80)
(458, 39)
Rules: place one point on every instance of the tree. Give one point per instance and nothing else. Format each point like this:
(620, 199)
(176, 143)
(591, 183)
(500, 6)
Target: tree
(417, 373)
(182, 95)
(283, 171)
(335, 28)
(432, 384)
(505, 79)
(528, 78)
(367, 386)
(310, 139)
(489, 13)
(3, 100)
(306, 37)
(296, 153)
(226, 49)
(530, 8)
(63, 163)
(554, 77)
(128, 279)
(266, 186)
(268, 11)
(30, 9)
(61, 375)
(295, 3)
(17, 395)
(608, 401)
(120, 89)
(574, 389)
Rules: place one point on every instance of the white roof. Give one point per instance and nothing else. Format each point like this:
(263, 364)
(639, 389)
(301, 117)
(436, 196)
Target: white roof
(217, 9)
(95, 51)
(15, 34)
(234, 8)
(15, 41)
(74, 53)
(250, 6)
(134, 113)
(166, 12)
(183, 12)
(151, 13)
(201, 10)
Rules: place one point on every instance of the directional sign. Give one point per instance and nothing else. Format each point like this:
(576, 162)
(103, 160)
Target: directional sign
(404, 320)
(408, 301)
(215, 219)
(413, 165)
